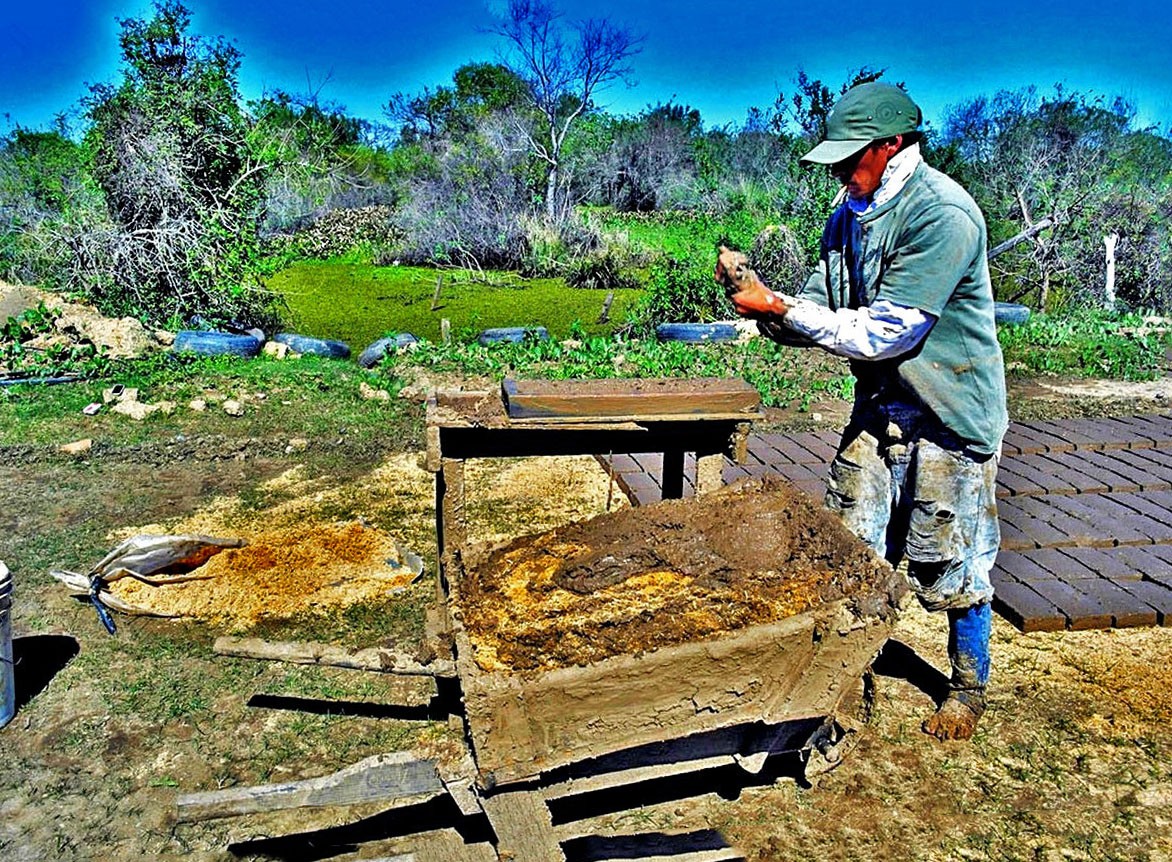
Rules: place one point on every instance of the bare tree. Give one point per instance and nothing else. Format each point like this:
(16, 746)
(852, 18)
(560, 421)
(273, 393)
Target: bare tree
(563, 67)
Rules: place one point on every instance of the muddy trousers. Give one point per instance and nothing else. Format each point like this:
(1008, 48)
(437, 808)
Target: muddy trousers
(907, 487)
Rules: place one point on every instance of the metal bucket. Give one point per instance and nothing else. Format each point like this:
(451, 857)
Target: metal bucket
(7, 677)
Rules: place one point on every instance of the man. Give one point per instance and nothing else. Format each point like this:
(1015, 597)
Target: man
(902, 290)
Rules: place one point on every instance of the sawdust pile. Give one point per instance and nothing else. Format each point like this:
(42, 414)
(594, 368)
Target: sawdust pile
(282, 573)
(685, 570)
(300, 559)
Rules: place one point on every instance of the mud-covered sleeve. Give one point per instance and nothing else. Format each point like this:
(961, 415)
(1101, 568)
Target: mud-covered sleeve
(937, 249)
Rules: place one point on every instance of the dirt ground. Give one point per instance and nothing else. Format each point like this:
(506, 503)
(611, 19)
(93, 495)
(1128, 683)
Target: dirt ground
(1070, 763)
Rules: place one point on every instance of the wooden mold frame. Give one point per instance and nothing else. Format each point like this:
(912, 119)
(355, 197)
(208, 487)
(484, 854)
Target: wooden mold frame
(522, 726)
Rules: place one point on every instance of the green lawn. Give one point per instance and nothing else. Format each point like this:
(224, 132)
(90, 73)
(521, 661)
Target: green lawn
(358, 303)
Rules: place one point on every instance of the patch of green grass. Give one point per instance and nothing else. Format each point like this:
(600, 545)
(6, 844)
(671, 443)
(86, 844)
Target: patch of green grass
(359, 303)
(685, 236)
(396, 621)
(306, 397)
(1086, 343)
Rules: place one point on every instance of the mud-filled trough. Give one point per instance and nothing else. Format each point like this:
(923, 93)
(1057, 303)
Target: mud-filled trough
(749, 605)
(643, 645)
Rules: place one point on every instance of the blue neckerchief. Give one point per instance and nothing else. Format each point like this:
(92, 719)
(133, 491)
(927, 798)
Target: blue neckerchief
(854, 260)
(844, 234)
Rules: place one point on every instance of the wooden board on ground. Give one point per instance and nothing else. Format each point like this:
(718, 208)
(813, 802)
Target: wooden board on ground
(618, 399)
(384, 777)
(305, 652)
(523, 827)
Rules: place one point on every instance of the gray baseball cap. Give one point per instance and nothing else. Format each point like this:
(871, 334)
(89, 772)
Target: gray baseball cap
(866, 113)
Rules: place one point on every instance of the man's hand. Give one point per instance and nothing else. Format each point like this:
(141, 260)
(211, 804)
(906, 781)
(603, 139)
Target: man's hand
(750, 297)
(731, 268)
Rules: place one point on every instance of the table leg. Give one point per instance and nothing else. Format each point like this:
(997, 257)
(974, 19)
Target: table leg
(672, 481)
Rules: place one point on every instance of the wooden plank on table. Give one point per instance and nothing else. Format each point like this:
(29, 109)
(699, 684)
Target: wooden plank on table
(542, 399)
(447, 845)
(523, 827)
(634, 775)
(382, 778)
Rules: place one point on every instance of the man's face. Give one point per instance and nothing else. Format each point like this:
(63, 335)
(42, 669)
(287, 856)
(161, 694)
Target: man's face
(863, 172)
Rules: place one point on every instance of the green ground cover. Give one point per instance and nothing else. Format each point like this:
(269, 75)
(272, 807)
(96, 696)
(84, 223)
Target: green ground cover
(359, 302)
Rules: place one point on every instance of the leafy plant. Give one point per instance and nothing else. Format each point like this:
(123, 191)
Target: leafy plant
(1088, 343)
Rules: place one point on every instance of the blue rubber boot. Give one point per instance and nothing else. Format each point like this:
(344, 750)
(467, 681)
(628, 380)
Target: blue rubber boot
(968, 650)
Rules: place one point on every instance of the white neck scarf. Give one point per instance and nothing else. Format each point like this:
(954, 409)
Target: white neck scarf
(895, 176)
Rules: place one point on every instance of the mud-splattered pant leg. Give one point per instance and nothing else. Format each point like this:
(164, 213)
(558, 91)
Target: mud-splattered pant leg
(953, 534)
(862, 489)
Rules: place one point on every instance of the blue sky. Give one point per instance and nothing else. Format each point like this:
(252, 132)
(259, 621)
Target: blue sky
(721, 58)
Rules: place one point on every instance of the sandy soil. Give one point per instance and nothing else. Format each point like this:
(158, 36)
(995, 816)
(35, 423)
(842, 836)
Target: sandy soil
(1070, 763)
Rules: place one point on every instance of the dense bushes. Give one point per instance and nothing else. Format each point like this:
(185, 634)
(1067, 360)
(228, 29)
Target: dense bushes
(158, 207)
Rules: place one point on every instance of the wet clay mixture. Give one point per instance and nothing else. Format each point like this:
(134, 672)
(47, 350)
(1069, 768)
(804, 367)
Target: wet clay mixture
(683, 570)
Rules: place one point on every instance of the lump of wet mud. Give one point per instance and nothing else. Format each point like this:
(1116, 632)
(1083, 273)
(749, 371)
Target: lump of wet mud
(683, 570)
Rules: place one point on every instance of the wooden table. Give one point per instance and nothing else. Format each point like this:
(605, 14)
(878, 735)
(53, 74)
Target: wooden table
(711, 417)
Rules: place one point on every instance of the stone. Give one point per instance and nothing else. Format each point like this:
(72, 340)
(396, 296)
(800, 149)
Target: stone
(275, 349)
(77, 447)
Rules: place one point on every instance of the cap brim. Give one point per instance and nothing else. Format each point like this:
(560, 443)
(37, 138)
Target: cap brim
(832, 152)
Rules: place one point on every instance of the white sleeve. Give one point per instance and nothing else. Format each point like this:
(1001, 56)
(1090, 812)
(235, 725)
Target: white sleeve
(878, 331)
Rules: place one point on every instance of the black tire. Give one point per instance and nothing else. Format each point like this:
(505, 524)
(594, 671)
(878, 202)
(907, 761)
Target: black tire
(215, 343)
(513, 333)
(1011, 313)
(374, 354)
(696, 333)
(307, 346)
